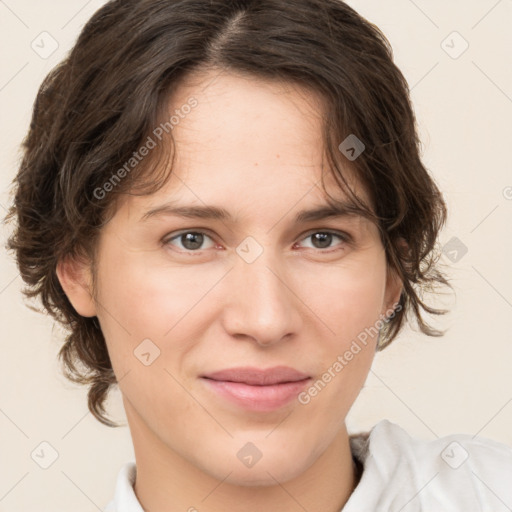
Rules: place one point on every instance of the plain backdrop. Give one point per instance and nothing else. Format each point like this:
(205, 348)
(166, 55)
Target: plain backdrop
(432, 387)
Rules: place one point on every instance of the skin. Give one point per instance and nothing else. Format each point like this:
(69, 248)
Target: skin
(255, 149)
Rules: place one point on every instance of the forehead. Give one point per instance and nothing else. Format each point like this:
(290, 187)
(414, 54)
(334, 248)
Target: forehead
(248, 141)
(250, 118)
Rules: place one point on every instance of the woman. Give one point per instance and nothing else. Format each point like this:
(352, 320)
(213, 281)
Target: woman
(225, 204)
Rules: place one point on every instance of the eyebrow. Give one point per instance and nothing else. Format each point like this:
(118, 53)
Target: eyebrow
(339, 209)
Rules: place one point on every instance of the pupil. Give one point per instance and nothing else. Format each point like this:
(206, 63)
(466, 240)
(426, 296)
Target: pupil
(192, 240)
(324, 240)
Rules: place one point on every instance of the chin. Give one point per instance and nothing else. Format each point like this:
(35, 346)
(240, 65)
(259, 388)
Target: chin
(270, 469)
(264, 477)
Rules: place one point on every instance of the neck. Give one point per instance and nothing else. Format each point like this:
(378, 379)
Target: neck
(168, 482)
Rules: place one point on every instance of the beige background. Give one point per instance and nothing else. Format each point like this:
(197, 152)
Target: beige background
(461, 383)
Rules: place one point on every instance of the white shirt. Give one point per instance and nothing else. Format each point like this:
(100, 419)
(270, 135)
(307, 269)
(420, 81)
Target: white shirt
(401, 474)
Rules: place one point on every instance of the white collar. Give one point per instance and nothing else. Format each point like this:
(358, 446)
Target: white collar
(404, 474)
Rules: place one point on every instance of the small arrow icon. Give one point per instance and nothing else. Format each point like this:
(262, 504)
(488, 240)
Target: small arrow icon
(146, 352)
(453, 254)
(44, 44)
(249, 249)
(454, 45)
(352, 147)
(454, 455)
(44, 455)
(455, 249)
(249, 454)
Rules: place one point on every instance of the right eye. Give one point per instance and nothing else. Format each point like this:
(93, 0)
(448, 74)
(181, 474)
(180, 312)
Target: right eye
(191, 241)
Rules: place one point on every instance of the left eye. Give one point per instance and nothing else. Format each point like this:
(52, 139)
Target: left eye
(193, 240)
(324, 238)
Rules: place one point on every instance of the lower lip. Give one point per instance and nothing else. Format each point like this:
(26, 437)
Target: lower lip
(258, 398)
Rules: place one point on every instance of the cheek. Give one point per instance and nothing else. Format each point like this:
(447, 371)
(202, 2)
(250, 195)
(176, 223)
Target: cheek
(347, 298)
(133, 291)
(140, 299)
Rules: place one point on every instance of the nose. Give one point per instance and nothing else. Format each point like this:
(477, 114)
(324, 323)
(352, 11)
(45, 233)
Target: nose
(263, 304)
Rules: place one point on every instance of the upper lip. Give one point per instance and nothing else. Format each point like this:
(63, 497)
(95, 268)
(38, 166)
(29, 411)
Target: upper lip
(258, 377)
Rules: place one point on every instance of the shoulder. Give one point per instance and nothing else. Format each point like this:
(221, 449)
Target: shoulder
(455, 451)
(457, 470)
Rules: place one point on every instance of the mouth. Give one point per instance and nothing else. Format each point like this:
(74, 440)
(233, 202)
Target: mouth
(257, 389)
(258, 377)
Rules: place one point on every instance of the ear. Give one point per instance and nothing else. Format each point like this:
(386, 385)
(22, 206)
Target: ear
(75, 277)
(394, 289)
(394, 284)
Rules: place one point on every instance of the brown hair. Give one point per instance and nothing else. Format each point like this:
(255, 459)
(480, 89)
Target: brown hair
(102, 102)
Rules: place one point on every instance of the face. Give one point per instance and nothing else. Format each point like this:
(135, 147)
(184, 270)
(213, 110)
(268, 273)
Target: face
(180, 297)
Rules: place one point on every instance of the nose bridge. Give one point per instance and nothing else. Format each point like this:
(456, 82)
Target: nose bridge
(262, 305)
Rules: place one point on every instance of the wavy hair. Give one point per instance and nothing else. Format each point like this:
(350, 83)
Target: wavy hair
(99, 105)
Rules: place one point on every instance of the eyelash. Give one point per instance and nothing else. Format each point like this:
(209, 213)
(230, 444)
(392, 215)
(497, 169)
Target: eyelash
(345, 238)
